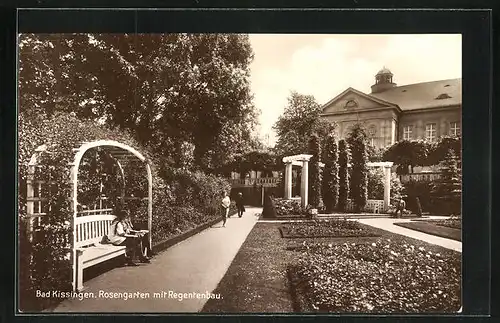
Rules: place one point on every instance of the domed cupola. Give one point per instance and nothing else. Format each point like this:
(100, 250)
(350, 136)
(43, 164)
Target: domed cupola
(383, 81)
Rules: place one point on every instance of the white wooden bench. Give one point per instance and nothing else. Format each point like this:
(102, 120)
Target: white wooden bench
(89, 231)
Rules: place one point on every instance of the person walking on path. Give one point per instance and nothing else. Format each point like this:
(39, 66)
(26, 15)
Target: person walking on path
(239, 204)
(401, 207)
(226, 202)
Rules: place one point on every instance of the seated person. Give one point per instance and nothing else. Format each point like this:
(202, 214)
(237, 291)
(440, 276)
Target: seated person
(121, 234)
(142, 234)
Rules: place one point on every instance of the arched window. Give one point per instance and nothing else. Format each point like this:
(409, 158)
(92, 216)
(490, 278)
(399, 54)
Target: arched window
(443, 96)
(351, 104)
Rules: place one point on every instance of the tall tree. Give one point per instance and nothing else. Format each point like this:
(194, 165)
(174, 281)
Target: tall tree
(407, 153)
(299, 121)
(437, 151)
(344, 160)
(359, 177)
(448, 188)
(166, 89)
(330, 189)
(314, 172)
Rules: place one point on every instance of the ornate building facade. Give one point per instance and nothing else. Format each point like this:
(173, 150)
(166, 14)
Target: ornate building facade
(391, 113)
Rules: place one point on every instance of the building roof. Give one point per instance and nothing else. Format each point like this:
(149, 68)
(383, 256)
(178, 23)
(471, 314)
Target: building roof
(368, 96)
(424, 95)
(384, 70)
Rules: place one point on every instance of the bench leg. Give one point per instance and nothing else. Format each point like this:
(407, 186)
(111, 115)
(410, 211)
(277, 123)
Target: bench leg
(79, 271)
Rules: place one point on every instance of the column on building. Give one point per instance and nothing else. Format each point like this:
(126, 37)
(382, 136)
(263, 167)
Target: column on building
(393, 131)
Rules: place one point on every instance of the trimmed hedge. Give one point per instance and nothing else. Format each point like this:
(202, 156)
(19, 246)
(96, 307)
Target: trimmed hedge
(344, 158)
(330, 189)
(314, 172)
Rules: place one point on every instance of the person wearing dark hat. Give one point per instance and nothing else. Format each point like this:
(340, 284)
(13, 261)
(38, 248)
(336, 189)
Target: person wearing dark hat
(239, 204)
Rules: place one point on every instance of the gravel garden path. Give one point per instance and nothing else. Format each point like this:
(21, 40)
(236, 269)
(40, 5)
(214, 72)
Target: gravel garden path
(388, 225)
(195, 265)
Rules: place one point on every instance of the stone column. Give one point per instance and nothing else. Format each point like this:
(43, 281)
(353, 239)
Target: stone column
(305, 183)
(387, 187)
(393, 131)
(288, 180)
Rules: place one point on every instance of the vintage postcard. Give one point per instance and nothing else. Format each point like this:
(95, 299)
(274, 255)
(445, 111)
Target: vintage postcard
(240, 173)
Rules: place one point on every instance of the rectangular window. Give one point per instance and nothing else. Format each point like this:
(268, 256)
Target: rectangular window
(430, 131)
(407, 132)
(454, 129)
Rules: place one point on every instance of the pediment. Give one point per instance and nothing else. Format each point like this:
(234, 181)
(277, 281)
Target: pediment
(352, 100)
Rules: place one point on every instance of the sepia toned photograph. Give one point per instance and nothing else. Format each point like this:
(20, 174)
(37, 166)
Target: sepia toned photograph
(239, 173)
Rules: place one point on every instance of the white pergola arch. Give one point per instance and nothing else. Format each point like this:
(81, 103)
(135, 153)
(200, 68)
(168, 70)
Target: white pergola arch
(303, 160)
(119, 151)
(297, 160)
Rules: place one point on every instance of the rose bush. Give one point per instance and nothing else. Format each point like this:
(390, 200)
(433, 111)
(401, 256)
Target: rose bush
(288, 208)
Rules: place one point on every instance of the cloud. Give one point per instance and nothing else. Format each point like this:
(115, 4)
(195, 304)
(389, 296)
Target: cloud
(325, 65)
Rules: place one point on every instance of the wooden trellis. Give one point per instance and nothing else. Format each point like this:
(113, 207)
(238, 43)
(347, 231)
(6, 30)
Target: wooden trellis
(122, 153)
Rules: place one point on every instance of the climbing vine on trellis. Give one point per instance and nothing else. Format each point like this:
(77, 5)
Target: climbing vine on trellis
(46, 263)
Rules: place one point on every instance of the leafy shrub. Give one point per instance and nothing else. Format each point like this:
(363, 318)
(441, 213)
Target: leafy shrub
(286, 207)
(195, 189)
(422, 190)
(175, 220)
(446, 191)
(269, 209)
(376, 179)
(382, 277)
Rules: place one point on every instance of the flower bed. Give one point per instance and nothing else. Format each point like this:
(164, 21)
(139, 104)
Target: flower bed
(326, 228)
(381, 277)
(450, 223)
(289, 208)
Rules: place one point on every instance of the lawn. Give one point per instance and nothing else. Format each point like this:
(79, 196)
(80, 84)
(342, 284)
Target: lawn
(256, 279)
(430, 227)
(385, 274)
(450, 223)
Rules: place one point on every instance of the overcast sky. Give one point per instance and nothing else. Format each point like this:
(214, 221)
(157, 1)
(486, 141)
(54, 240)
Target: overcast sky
(325, 65)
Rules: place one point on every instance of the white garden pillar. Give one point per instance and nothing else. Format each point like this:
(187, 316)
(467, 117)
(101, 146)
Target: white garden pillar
(297, 160)
(305, 183)
(386, 166)
(387, 186)
(288, 180)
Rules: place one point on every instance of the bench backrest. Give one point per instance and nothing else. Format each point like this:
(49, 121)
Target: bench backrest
(91, 228)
